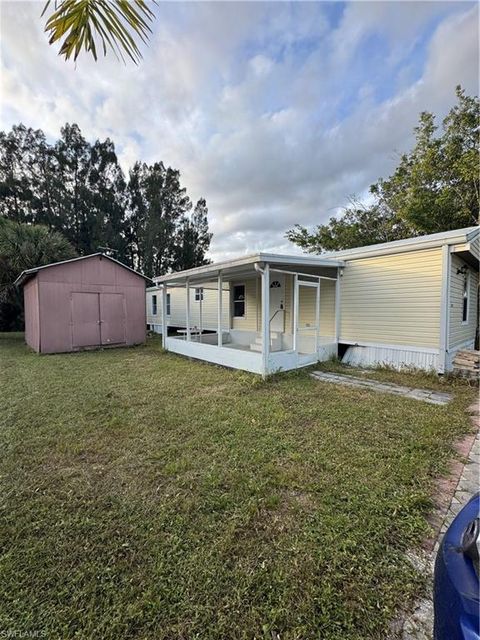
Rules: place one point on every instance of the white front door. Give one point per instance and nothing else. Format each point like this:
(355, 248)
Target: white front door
(277, 302)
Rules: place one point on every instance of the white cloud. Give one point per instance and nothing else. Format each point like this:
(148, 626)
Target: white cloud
(270, 113)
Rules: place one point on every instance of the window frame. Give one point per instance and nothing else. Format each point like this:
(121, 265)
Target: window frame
(239, 284)
(199, 295)
(168, 305)
(154, 304)
(466, 299)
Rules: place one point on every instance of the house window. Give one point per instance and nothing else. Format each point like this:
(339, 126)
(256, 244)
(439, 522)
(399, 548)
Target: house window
(199, 294)
(154, 305)
(239, 301)
(168, 305)
(466, 297)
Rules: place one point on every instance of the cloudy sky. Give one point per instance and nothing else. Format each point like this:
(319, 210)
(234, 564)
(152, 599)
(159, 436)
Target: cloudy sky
(275, 112)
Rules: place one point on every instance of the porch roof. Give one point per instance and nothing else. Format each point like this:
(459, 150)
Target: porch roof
(240, 266)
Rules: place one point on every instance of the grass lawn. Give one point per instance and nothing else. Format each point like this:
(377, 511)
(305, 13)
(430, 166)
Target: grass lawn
(144, 495)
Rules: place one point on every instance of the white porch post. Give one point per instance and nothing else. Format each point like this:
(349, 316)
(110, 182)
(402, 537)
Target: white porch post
(317, 316)
(200, 317)
(295, 311)
(164, 315)
(187, 313)
(265, 317)
(337, 308)
(220, 309)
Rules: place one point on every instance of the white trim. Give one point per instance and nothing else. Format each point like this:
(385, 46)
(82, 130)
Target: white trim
(304, 275)
(271, 258)
(164, 316)
(295, 313)
(444, 300)
(225, 356)
(265, 317)
(381, 345)
(219, 309)
(456, 236)
(187, 309)
(337, 309)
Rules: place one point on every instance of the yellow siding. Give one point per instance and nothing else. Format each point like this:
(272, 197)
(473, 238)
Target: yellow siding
(177, 317)
(327, 308)
(253, 306)
(461, 333)
(393, 299)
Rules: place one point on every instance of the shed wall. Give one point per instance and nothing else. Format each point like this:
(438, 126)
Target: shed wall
(96, 275)
(32, 323)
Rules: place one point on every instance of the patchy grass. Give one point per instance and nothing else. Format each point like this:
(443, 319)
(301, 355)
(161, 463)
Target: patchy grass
(144, 495)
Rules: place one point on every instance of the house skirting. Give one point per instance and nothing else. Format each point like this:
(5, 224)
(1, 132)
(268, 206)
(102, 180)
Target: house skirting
(396, 356)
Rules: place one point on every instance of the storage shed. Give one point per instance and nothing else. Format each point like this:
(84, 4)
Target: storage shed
(82, 303)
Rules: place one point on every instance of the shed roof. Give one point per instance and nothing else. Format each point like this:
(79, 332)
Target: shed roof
(29, 273)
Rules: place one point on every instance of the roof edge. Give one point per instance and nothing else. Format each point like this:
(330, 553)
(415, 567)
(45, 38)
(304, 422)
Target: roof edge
(454, 236)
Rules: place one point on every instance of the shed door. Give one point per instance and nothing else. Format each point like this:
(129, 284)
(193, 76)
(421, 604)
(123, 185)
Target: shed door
(85, 319)
(112, 316)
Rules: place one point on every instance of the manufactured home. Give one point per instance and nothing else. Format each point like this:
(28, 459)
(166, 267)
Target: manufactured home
(408, 303)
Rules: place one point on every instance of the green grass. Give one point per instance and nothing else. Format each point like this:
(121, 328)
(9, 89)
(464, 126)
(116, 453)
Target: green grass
(144, 495)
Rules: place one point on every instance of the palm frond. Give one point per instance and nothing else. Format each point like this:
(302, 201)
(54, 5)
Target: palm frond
(115, 23)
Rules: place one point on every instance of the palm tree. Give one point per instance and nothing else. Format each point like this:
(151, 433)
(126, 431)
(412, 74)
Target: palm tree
(115, 23)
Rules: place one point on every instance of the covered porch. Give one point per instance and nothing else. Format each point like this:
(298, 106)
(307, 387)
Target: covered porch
(283, 312)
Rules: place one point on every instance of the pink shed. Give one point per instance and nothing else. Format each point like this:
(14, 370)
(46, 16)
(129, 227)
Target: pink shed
(86, 302)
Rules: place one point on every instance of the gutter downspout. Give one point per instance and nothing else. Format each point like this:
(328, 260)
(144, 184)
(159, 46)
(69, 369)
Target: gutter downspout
(265, 273)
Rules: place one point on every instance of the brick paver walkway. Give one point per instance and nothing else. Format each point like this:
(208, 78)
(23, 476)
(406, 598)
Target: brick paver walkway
(419, 624)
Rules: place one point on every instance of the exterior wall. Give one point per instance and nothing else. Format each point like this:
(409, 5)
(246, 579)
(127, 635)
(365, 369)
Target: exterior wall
(95, 275)
(32, 321)
(177, 318)
(461, 334)
(327, 308)
(393, 300)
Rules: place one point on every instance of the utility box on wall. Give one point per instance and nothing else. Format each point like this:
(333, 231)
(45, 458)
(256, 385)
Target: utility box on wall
(87, 302)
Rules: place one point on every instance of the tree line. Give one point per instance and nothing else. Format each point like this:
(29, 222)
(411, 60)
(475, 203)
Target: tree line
(79, 189)
(70, 197)
(435, 187)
